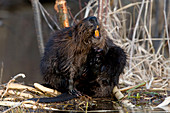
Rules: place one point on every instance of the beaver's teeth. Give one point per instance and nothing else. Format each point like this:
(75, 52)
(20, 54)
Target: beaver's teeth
(96, 33)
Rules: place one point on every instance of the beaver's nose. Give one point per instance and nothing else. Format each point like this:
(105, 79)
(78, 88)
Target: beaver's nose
(93, 20)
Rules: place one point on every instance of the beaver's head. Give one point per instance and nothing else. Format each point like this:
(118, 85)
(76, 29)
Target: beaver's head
(88, 31)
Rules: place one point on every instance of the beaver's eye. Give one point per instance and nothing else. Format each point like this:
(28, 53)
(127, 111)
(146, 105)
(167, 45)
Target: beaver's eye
(80, 25)
(93, 20)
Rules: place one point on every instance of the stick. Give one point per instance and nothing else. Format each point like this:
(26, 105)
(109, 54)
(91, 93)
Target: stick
(21, 87)
(12, 80)
(132, 87)
(166, 25)
(38, 26)
(134, 34)
(117, 93)
(2, 70)
(61, 8)
(46, 90)
(17, 93)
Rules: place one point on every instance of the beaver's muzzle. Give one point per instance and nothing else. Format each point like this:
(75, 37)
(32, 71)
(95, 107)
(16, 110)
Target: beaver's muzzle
(94, 22)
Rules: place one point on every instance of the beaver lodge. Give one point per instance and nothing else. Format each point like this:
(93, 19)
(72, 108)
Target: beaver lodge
(140, 28)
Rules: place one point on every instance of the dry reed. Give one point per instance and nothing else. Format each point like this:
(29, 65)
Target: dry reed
(145, 62)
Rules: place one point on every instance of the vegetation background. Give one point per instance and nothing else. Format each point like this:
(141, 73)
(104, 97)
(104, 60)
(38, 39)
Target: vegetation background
(141, 27)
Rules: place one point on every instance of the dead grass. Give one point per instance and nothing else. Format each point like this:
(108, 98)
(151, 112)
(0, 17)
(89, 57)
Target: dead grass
(132, 31)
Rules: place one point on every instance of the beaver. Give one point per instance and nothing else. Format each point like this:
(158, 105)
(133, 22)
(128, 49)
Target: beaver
(78, 61)
(66, 54)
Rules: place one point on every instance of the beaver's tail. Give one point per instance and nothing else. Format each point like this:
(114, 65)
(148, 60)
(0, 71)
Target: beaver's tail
(60, 98)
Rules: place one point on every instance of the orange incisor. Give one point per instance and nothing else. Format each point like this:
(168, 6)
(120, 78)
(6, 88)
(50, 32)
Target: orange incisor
(97, 32)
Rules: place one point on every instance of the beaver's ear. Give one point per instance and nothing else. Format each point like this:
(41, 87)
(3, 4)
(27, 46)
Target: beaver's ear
(75, 27)
(78, 26)
(92, 20)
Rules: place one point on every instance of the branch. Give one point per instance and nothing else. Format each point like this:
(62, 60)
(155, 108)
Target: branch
(38, 26)
(61, 8)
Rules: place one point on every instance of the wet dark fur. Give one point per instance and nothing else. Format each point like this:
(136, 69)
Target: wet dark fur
(93, 63)
(103, 70)
(66, 54)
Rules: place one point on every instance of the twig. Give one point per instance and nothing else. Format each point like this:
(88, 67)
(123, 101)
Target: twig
(126, 7)
(49, 16)
(25, 104)
(124, 22)
(12, 98)
(137, 65)
(86, 106)
(88, 7)
(134, 34)
(61, 8)
(117, 93)
(21, 87)
(8, 103)
(80, 7)
(106, 11)
(46, 90)
(100, 10)
(17, 93)
(38, 26)
(12, 80)
(166, 25)
(2, 70)
(142, 84)
(150, 28)
(49, 25)
(72, 16)
(150, 17)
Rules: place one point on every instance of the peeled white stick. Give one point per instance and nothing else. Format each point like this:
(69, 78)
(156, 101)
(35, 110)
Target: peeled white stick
(25, 104)
(118, 94)
(22, 94)
(45, 89)
(19, 86)
(12, 80)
